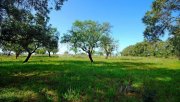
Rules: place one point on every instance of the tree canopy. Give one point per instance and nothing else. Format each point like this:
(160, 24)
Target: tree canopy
(43, 7)
(25, 23)
(30, 32)
(144, 49)
(163, 17)
(86, 35)
(108, 44)
(51, 44)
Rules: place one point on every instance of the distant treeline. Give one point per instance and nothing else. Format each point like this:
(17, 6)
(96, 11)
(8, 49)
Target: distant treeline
(144, 49)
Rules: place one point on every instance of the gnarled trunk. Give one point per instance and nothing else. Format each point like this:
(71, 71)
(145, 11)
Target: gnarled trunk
(27, 58)
(90, 56)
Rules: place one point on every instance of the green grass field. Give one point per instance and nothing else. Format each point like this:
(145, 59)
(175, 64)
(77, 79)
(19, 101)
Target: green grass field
(75, 79)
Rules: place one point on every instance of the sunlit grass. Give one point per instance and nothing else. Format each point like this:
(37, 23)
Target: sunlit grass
(75, 79)
(11, 94)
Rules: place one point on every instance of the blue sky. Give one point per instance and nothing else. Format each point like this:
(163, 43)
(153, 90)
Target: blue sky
(124, 15)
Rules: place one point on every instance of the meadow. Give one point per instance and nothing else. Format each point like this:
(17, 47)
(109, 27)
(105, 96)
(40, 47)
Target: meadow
(75, 79)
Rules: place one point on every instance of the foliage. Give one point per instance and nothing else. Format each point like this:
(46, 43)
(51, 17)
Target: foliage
(74, 49)
(29, 33)
(108, 44)
(26, 33)
(24, 23)
(175, 39)
(40, 51)
(51, 44)
(43, 7)
(157, 49)
(85, 35)
(7, 48)
(164, 17)
(55, 51)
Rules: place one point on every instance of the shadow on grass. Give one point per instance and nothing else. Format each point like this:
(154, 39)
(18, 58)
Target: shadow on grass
(62, 80)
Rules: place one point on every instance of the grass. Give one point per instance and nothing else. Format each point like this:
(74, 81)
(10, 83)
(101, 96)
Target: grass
(75, 79)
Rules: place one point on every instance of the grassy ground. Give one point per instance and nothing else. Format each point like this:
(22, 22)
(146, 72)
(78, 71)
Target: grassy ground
(75, 79)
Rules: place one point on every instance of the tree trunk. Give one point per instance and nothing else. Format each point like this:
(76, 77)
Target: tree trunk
(107, 55)
(9, 53)
(27, 58)
(49, 53)
(17, 55)
(90, 57)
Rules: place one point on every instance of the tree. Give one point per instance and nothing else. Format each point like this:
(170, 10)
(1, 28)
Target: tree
(164, 17)
(55, 51)
(41, 50)
(175, 39)
(128, 51)
(74, 49)
(156, 49)
(108, 44)
(29, 32)
(85, 35)
(9, 47)
(52, 42)
(17, 18)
